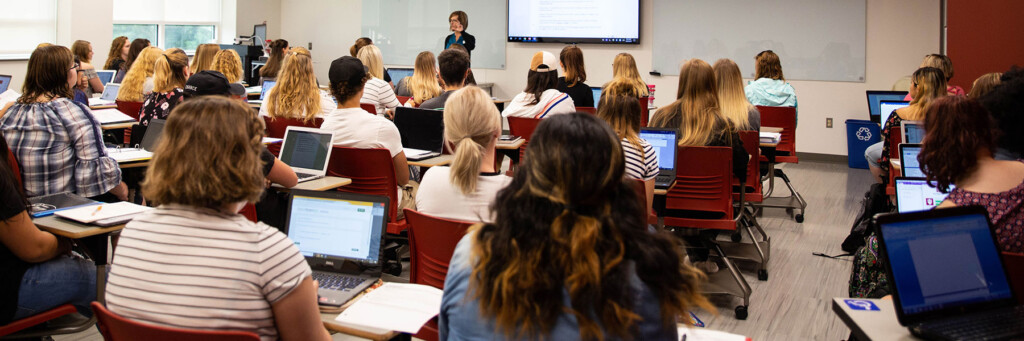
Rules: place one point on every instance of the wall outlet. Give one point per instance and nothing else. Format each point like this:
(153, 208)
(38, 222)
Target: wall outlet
(828, 122)
(310, 46)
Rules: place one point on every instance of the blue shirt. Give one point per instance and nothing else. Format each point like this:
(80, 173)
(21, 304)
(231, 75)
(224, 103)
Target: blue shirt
(771, 93)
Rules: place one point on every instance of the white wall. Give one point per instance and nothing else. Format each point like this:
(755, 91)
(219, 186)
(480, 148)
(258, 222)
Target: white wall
(255, 12)
(331, 25)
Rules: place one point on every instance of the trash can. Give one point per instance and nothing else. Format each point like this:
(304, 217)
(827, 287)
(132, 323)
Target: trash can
(860, 134)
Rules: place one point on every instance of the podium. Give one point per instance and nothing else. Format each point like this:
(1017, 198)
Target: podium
(248, 53)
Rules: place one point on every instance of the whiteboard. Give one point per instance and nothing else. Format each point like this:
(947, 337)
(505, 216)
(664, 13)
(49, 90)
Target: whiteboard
(815, 39)
(404, 28)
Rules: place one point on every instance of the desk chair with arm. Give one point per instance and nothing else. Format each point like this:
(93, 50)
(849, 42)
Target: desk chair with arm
(131, 109)
(370, 108)
(432, 242)
(522, 127)
(785, 118)
(276, 127)
(746, 193)
(895, 138)
(588, 110)
(117, 328)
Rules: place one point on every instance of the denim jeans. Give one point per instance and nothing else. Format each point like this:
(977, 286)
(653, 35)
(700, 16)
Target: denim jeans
(61, 280)
(873, 153)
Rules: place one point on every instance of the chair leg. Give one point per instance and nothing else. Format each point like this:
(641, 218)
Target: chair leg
(741, 311)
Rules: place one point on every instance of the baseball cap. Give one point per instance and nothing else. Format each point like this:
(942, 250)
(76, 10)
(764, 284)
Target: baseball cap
(208, 82)
(543, 61)
(237, 89)
(347, 69)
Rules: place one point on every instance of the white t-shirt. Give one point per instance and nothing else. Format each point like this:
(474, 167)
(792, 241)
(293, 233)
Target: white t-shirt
(438, 197)
(355, 128)
(380, 94)
(552, 102)
(326, 105)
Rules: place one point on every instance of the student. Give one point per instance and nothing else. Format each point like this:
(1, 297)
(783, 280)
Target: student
(423, 85)
(458, 21)
(769, 87)
(626, 77)
(571, 60)
(470, 79)
(353, 128)
(229, 64)
(454, 68)
(171, 73)
(958, 151)
(941, 62)
(540, 99)
(134, 49)
(928, 85)
(203, 60)
(1006, 103)
(80, 82)
(623, 114)
(296, 95)
(278, 49)
(569, 255)
(354, 51)
(466, 190)
(377, 91)
(83, 51)
(733, 102)
(984, 84)
(39, 271)
(75, 159)
(194, 262)
(118, 53)
(139, 81)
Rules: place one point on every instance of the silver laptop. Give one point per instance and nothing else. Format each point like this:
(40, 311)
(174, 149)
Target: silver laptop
(887, 108)
(108, 97)
(912, 131)
(915, 194)
(909, 165)
(340, 234)
(105, 76)
(307, 151)
(267, 85)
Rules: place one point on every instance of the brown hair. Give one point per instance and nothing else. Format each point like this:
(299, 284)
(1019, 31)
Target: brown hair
(228, 63)
(768, 65)
(203, 60)
(354, 50)
(941, 62)
(169, 71)
(208, 155)
(695, 111)
(134, 50)
(957, 129)
(623, 114)
(115, 52)
(81, 48)
(984, 84)
(462, 17)
(47, 74)
(572, 63)
(275, 60)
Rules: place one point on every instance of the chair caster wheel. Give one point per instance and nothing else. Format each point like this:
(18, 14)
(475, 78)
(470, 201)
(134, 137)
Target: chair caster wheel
(741, 312)
(736, 237)
(762, 275)
(799, 218)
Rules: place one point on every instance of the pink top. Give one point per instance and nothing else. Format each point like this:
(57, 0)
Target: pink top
(1005, 210)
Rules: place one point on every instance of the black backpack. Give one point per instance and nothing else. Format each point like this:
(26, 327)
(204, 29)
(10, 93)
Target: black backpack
(875, 202)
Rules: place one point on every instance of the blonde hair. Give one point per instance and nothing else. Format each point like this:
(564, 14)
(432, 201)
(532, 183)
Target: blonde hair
(931, 85)
(625, 72)
(228, 63)
(296, 94)
(370, 56)
(143, 67)
(423, 82)
(732, 101)
(81, 48)
(471, 123)
(203, 60)
(941, 62)
(695, 111)
(984, 84)
(115, 52)
(169, 71)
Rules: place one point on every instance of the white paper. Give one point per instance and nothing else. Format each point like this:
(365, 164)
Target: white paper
(271, 140)
(770, 137)
(108, 116)
(8, 96)
(395, 306)
(122, 155)
(702, 334)
(89, 214)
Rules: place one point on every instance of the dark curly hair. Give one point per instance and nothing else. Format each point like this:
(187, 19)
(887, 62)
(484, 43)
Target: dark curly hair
(1006, 104)
(342, 91)
(957, 128)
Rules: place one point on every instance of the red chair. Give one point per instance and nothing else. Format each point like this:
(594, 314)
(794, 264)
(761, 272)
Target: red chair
(895, 138)
(785, 152)
(370, 108)
(1014, 263)
(372, 172)
(641, 190)
(277, 125)
(746, 193)
(432, 242)
(403, 99)
(10, 330)
(131, 109)
(117, 328)
(249, 211)
(645, 110)
(522, 127)
(589, 110)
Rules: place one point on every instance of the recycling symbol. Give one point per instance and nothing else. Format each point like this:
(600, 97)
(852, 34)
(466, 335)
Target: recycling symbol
(864, 134)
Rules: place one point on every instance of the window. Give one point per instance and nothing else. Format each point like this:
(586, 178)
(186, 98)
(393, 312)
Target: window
(25, 24)
(168, 23)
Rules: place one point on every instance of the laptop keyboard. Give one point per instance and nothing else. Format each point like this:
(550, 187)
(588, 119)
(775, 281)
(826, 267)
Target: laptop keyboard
(303, 176)
(1000, 324)
(663, 179)
(337, 281)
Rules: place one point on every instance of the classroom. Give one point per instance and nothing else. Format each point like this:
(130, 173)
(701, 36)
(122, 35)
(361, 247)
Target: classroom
(511, 169)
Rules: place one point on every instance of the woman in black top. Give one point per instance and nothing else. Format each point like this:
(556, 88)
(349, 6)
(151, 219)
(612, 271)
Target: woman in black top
(575, 74)
(458, 21)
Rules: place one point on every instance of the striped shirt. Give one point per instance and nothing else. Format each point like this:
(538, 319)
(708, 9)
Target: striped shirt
(552, 102)
(640, 166)
(379, 93)
(186, 267)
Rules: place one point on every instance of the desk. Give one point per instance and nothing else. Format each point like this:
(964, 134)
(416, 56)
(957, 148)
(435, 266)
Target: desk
(872, 324)
(510, 145)
(93, 238)
(322, 184)
(896, 165)
(133, 164)
(106, 106)
(500, 103)
(122, 125)
(663, 191)
(442, 160)
(363, 332)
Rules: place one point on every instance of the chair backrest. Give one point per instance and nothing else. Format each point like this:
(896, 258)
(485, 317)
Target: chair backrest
(372, 172)
(895, 138)
(645, 110)
(249, 211)
(522, 127)
(785, 118)
(117, 328)
(129, 108)
(589, 110)
(751, 143)
(403, 99)
(276, 127)
(704, 183)
(370, 108)
(432, 241)
(1014, 263)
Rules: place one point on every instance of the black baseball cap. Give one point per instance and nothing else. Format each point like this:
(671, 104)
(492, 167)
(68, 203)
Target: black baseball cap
(208, 82)
(346, 69)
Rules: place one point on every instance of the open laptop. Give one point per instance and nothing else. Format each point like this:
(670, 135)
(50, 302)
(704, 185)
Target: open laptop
(948, 280)
(887, 108)
(307, 151)
(267, 85)
(339, 233)
(154, 130)
(913, 131)
(664, 142)
(5, 83)
(909, 166)
(915, 194)
(105, 76)
(422, 132)
(597, 95)
(108, 97)
(875, 97)
(397, 73)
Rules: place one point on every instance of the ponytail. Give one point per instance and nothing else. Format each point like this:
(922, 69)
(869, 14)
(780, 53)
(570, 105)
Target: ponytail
(471, 122)
(169, 71)
(468, 156)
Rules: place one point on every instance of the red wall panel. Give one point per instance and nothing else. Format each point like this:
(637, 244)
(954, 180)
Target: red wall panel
(983, 36)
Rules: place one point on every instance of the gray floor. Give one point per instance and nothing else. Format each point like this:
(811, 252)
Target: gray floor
(794, 304)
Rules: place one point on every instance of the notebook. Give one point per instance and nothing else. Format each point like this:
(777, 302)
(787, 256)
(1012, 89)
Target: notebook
(875, 97)
(104, 214)
(144, 150)
(339, 233)
(887, 108)
(909, 165)
(915, 194)
(111, 116)
(422, 132)
(108, 97)
(948, 280)
(45, 205)
(105, 76)
(5, 82)
(913, 131)
(664, 142)
(307, 151)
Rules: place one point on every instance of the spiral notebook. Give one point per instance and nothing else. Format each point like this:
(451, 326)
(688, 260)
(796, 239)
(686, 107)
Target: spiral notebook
(104, 214)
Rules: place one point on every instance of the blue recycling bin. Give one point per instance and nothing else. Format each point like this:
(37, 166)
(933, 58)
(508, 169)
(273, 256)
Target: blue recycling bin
(860, 134)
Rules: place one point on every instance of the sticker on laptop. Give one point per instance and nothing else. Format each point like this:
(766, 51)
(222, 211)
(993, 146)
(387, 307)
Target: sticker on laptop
(861, 305)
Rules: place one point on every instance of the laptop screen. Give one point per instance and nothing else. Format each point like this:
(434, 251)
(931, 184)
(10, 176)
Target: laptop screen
(911, 168)
(913, 132)
(664, 143)
(105, 76)
(5, 82)
(876, 97)
(421, 129)
(306, 149)
(110, 92)
(928, 276)
(337, 225)
(886, 108)
(267, 85)
(597, 95)
(398, 73)
(913, 195)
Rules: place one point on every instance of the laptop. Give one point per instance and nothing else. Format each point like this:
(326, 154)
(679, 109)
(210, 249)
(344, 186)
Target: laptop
(105, 76)
(340, 234)
(5, 82)
(913, 131)
(108, 97)
(909, 166)
(874, 100)
(948, 280)
(153, 132)
(597, 95)
(915, 194)
(267, 85)
(307, 151)
(398, 73)
(887, 108)
(664, 141)
(422, 132)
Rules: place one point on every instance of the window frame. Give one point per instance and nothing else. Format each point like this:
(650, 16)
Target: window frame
(161, 30)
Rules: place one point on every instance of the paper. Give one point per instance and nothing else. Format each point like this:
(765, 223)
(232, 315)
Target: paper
(8, 97)
(110, 116)
(394, 306)
(771, 137)
(108, 212)
(122, 155)
(702, 334)
(271, 140)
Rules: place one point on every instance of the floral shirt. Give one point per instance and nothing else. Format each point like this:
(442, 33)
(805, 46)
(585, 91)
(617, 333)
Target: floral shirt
(158, 105)
(1005, 210)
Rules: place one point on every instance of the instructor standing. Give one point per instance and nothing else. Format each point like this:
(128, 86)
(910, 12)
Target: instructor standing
(457, 23)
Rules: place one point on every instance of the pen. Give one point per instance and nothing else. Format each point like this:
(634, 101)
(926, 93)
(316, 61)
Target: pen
(98, 208)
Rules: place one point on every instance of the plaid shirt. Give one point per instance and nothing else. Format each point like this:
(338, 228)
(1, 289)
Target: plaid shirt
(59, 147)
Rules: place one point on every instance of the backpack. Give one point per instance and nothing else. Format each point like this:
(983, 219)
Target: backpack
(875, 202)
(868, 279)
